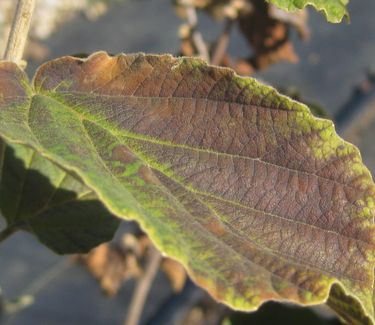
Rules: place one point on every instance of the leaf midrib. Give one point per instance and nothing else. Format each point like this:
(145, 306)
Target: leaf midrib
(125, 133)
(135, 136)
(145, 138)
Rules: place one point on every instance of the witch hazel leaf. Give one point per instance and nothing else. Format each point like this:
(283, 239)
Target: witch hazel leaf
(256, 197)
(40, 197)
(334, 10)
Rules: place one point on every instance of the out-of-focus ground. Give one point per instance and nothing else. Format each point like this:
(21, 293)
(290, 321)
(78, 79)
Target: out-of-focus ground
(331, 65)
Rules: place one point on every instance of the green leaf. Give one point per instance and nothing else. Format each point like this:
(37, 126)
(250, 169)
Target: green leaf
(334, 10)
(256, 197)
(39, 197)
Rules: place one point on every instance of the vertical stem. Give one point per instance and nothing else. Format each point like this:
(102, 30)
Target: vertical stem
(19, 31)
(14, 52)
(143, 287)
(197, 37)
(222, 43)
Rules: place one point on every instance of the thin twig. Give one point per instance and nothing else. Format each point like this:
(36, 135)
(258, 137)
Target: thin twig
(196, 36)
(222, 43)
(143, 287)
(178, 305)
(19, 31)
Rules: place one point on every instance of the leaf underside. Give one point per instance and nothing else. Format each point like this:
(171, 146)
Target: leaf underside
(257, 198)
(39, 197)
(334, 10)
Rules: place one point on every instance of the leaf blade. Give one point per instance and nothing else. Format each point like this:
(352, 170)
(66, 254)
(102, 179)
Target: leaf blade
(223, 161)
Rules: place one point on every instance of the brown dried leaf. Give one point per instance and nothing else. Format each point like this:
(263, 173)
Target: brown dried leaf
(268, 37)
(111, 266)
(175, 273)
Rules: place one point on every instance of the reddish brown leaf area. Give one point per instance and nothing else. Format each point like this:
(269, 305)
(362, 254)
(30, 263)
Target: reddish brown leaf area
(12, 81)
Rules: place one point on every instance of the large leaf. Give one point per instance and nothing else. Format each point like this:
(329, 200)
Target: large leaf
(257, 198)
(39, 197)
(334, 10)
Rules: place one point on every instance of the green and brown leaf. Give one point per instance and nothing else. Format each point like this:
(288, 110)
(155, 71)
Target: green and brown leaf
(255, 196)
(334, 10)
